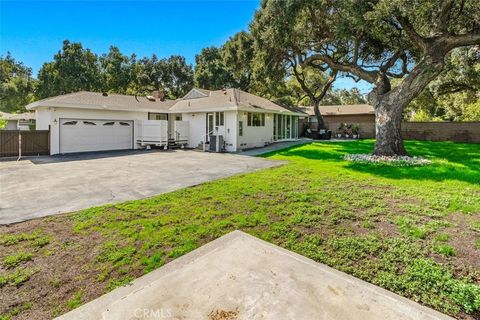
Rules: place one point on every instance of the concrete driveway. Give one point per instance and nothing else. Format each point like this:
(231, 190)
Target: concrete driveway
(51, 185)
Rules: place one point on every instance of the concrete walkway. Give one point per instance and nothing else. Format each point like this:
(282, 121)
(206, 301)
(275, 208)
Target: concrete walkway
(241, 277)
(274, 147)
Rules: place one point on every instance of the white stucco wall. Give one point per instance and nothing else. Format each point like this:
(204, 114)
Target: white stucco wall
(230, 134)
(11, 125)
(46, 116)
(198, 129)
(254, 137)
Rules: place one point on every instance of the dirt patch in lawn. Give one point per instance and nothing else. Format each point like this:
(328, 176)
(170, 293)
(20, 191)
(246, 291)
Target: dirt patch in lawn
(462, 237)
(60, 268)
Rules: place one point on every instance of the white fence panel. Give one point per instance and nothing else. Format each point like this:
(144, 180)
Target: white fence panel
(152, 132)
(182, 129)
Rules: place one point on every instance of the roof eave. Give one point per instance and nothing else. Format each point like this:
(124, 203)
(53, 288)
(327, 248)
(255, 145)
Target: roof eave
(253, 109)
(47, 104)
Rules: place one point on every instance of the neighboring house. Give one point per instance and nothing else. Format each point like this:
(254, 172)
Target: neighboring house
(90, 121)
(18, 121)
(361, 114)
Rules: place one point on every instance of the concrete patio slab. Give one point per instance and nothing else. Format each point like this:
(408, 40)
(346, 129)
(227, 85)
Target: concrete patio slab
(241, 277)
(42, 186)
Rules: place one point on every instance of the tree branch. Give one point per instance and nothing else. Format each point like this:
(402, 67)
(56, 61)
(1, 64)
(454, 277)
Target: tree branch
(328, 84)
(369, 76)
(391, 62)
(443, 16)
(462, 40)
(419, 41)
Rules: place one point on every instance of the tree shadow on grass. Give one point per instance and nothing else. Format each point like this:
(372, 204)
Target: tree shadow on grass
(451, 161)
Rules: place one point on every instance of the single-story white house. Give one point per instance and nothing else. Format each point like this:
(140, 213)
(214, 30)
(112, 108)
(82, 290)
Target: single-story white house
(18, 121)
(91, 121)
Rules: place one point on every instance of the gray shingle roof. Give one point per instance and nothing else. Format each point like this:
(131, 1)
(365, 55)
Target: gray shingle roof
(234, 99)
(216, 100)
(111, 102)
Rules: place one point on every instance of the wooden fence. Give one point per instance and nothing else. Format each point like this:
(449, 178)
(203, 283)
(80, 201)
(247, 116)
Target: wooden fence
(14, 143)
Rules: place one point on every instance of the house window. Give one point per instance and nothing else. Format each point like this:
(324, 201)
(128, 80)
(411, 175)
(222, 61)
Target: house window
(157, 116)
(240, 128)
(89, 123)
(256, 119)
(178, 117)
(219, 118)
(111, 123)
(124, 124)
(70, 123)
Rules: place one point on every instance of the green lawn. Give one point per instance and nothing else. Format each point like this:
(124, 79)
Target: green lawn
(411, 230)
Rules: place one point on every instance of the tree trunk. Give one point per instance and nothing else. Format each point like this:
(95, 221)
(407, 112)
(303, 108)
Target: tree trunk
(388, 122)
(318, 115)
(389, 104)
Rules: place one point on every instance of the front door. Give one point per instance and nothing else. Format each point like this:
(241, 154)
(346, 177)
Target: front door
(210, 125)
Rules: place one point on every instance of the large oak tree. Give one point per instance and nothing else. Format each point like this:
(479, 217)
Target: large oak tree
(16, 85)
(377, 41)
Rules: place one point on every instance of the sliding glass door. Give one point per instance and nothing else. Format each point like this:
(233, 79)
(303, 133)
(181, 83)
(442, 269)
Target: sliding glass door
(285, 127)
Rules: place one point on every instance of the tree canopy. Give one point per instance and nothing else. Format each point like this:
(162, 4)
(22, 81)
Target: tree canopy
(16, 85)
(231, 65)
(373, 40)
(73, 68)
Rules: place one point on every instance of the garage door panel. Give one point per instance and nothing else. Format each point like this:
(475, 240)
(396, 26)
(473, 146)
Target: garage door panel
(79, 135)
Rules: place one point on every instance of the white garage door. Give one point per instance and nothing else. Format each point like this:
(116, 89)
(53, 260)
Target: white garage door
(79, 135)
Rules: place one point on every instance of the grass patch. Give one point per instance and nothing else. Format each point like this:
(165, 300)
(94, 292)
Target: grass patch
(396, 227)
(10, 314)
(444, 249)
(16, 278)
(75, 301)
(16, 259)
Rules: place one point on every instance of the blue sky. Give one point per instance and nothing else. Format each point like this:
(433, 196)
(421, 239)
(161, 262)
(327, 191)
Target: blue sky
(33, 31)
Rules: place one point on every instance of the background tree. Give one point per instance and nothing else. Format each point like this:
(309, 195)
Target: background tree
(344, 97)
(280, 45)
(117, 71)
(177, 78)
(73, 69)
(237, 55)
(210, 70)
(454, 95)
(148, 75)
(173, 75)
(16, 85)
(380, 40)
(228, 66)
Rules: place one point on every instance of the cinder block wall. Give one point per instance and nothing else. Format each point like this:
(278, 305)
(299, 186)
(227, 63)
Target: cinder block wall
(432, 131)
(442, 131)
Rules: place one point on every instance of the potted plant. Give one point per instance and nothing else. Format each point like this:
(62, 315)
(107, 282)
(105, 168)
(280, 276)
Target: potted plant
(355, 131)
(341, 129)
(348, 130)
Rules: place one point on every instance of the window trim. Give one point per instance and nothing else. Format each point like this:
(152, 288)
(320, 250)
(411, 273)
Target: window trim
(219, 119)
(256, 119)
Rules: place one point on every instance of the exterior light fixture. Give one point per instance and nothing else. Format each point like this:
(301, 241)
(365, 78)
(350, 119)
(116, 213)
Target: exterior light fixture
(55, 121)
